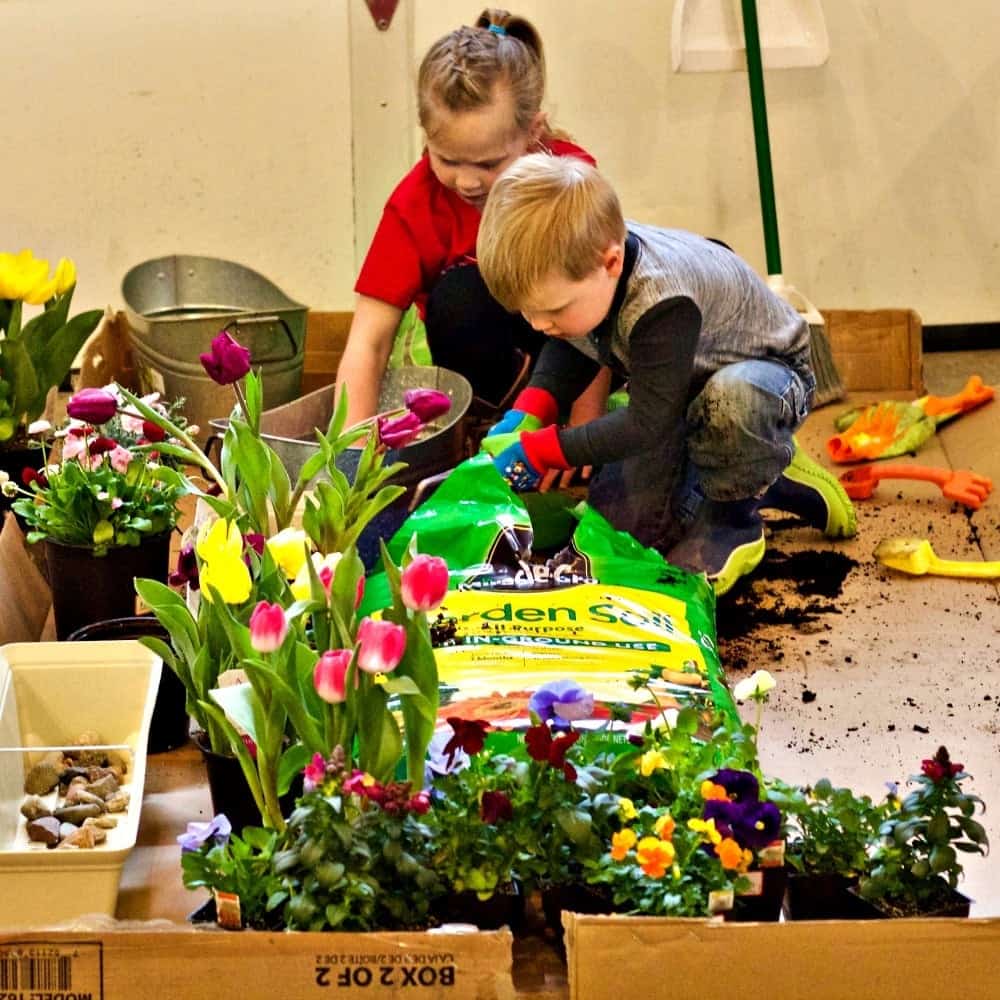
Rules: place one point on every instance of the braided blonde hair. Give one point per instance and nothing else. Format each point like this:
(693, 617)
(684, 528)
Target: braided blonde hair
(460, 70)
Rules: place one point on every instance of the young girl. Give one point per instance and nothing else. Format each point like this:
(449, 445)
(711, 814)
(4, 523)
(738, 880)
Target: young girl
(480, 93)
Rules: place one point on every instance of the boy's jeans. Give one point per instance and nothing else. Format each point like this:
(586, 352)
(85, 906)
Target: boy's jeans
(736, 441)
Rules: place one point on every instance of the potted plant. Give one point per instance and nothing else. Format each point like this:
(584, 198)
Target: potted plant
(828, 833)
(914, 869)
(104, 504)
(249, 560)
(35, 354)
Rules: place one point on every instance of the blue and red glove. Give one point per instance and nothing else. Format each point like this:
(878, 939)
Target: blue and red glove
(526, 457)
(533, 408)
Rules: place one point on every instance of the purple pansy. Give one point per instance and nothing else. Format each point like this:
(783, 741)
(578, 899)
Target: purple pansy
(217, 829)
(562, 701)
(741, 786)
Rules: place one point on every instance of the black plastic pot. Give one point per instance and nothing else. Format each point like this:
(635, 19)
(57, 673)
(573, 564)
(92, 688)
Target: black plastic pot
(950, 903)
(824, 897)
(230, 792)
(573, 897)
(88, 589)
(505, 908)
(170, 724)
(765, 907)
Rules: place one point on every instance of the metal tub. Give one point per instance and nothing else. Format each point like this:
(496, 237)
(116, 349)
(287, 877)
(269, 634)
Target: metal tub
(176, 305)
(290, 429)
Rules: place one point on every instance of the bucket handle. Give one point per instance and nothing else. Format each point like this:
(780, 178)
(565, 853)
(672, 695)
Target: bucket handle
(255, 320)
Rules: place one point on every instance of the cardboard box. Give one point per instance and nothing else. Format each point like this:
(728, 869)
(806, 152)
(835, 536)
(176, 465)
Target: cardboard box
(191, 965)
(877, 350)
(819, 960)
(50, 694)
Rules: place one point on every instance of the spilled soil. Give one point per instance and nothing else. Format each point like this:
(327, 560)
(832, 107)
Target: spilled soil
(793, 590)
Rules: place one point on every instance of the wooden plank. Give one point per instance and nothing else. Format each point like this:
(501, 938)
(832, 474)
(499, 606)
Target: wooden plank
(326, 335)
(877, 350)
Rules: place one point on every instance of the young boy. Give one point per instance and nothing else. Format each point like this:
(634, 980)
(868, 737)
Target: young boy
(717, 365)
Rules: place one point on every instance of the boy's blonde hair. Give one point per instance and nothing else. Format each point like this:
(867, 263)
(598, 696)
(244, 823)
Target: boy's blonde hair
(545, 212)
(460, 70)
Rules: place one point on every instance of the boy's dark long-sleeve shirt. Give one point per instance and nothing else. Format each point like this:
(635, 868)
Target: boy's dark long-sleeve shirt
(683, 308)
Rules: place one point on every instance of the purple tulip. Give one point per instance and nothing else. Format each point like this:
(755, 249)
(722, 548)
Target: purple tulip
(217, 829)
(227, 361)
(399, 431)
(427, 404)
(562, 700)
(92, 406)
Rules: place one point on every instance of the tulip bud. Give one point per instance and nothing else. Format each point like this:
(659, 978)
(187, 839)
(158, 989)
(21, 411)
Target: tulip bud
(399, 431)
(380, 645)
(227, 361)
(330, 675)
(424, 583)
(93, 406)
(427, 404)
(268, 627)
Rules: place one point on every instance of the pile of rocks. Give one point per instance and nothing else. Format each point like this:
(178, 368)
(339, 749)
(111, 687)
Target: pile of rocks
(73, 794)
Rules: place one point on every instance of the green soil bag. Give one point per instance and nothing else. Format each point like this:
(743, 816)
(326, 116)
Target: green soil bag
(601, 608)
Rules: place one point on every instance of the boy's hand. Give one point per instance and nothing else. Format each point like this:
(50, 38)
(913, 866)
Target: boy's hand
(514, 465)
(513, 422)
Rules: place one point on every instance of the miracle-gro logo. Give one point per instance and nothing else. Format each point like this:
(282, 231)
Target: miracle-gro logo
(527, 576)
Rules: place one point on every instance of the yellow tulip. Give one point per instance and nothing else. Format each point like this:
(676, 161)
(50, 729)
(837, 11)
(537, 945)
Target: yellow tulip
(325, 567)
(65, 275)
(219, 540)
(229, 576)
(288, 549)
(23, 276)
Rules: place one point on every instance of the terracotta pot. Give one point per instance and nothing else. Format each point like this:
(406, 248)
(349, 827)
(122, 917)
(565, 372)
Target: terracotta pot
(504, 908)
(87, 588)
(169, 727)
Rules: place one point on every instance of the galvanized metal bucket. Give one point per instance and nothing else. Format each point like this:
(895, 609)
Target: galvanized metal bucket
(176, 305)
(290, 429)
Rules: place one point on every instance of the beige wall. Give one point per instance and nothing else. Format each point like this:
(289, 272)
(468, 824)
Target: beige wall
(136, 129)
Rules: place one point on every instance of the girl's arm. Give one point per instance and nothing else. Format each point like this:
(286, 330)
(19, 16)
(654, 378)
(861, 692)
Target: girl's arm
(369, 344)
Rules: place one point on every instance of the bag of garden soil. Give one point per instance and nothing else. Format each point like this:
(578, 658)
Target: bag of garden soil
(600, 608)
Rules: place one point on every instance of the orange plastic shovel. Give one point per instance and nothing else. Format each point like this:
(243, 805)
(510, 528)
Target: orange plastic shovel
(964, 486)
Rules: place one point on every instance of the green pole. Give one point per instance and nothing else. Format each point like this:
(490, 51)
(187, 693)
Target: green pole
(765, 178)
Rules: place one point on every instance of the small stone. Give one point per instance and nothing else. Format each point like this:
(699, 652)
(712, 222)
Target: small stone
(118, 802)
(34, 808)
(104, 821)
(77, 814)
(65, 829)
(97, 773)
(104, 788)
(44, 830)
(82, 795)
(41, 779)
(121, 761)
(100, 833)
(66, 778)
(84, 837)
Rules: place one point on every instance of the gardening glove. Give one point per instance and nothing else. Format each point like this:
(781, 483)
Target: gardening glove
(526, 457)
(533, 408)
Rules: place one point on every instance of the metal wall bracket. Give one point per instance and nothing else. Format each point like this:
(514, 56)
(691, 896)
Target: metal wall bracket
(381, 12)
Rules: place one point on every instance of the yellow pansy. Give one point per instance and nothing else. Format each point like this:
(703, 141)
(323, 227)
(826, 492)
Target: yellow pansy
(288, 549)
(626, 809)
(25, 276)
(650, 761)
(229, 576)
(219, 539)
(664, 827)
(706, 827)
(621, 843)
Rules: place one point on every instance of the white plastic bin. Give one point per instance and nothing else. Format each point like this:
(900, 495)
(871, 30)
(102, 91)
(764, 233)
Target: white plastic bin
(50, 694)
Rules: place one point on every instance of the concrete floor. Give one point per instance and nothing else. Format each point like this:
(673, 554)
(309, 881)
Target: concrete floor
(895, 665)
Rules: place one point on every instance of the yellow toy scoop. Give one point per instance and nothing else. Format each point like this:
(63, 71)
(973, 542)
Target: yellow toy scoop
(915, 555)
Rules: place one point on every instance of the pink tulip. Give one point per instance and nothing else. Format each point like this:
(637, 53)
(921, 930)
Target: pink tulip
(399, 431)
(268, 627)
(425, 582)
(380, 645)
(330, 675)
(427, 404)
(228, 360)
(94, 406)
